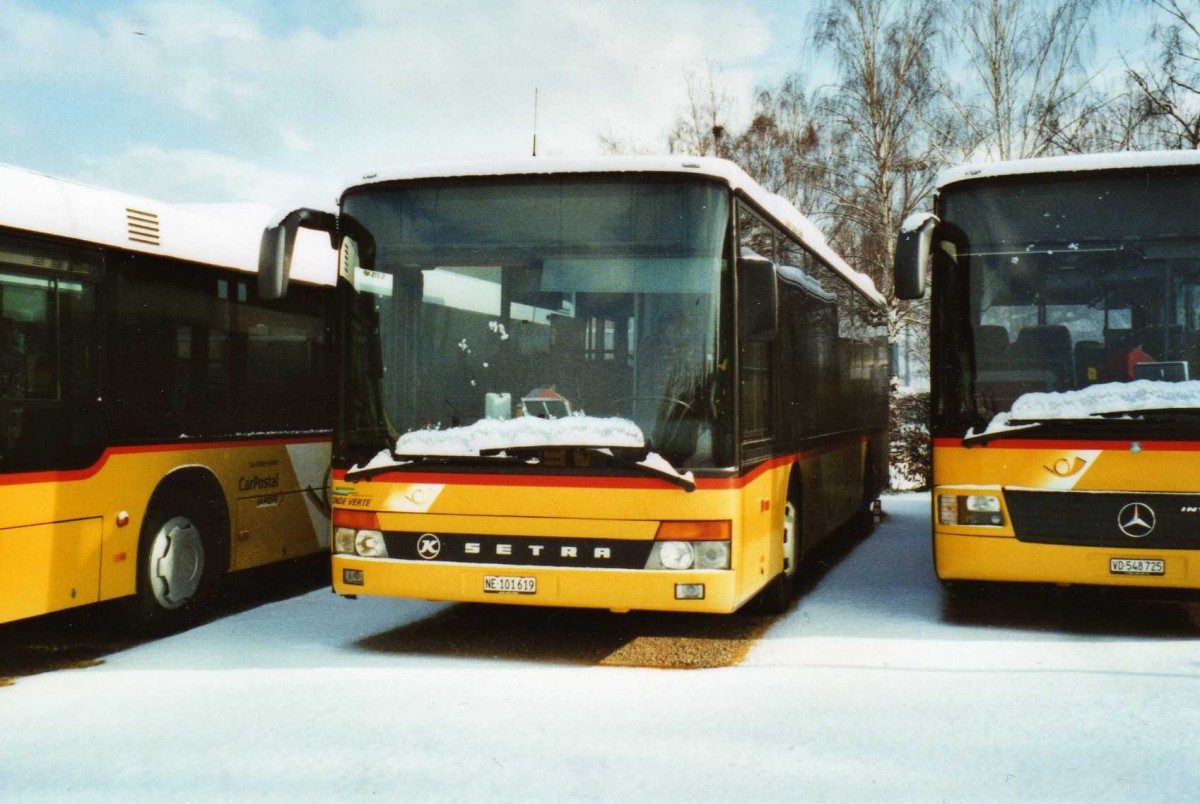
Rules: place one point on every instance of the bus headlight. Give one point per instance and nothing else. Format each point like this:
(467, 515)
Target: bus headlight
(970, 509)
(691, 544)
(343, 540)
(712, 555)
(369, 544)
(676, 555)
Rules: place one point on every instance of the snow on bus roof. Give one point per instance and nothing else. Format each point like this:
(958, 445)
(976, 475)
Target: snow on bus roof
(1075, 163)
(229, 238)
(737, 179)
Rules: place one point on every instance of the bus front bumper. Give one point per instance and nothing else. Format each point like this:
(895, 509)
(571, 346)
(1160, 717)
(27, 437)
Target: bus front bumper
(1005, 558)
(618, 590)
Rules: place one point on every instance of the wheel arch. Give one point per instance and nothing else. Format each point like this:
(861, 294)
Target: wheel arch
(201, 483)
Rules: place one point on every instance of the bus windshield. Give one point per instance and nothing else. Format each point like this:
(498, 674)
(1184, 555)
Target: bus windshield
(569, 299)
(1084, 285)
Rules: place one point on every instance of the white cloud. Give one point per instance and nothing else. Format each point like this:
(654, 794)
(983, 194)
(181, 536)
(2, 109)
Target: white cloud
(404, 82)
(193, 176)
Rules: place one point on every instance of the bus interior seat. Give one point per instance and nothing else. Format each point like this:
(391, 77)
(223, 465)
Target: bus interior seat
(1090, 362)
(991, 347)
(1045, 348)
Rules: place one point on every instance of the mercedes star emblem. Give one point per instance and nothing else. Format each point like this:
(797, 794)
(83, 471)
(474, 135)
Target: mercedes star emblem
(1136, 520)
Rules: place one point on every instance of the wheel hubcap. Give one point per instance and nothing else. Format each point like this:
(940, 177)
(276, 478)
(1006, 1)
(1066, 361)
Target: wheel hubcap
(791, 554)
(176, 562)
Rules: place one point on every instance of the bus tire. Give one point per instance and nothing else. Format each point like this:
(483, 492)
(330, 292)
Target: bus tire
(182, 556)
(776, 596)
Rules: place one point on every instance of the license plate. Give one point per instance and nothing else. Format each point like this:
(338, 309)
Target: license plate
(510, 584)
(1137, 566)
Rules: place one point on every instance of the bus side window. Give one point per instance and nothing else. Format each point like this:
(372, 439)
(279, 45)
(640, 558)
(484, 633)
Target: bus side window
(756, 380)
(49, 349)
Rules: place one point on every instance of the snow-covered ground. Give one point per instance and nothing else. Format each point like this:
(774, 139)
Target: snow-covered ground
(873, 688)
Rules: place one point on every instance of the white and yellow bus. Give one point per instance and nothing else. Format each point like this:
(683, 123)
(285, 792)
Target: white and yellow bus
(1065, 313)
(160, 425)
(625, 383)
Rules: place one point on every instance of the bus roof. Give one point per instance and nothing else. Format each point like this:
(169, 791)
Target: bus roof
(1076, 163)
(40, 204)
(776, 206)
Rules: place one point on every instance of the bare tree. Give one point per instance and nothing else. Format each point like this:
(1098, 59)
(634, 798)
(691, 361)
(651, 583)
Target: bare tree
(787, 146)
(883, 166)
(702, 127)
(1026, 85)
(1168, 91)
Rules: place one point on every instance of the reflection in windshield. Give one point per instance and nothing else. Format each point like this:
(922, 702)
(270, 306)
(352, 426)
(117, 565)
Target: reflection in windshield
(541, 298)
(1067, 285)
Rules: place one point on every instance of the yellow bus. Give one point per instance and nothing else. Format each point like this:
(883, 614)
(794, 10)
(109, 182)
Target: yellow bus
(624, 383)
(160, 425)
(1065, 311)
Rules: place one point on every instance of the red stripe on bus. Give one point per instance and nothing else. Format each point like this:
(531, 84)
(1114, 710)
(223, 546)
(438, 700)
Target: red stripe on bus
(74, 475)
(597, 481)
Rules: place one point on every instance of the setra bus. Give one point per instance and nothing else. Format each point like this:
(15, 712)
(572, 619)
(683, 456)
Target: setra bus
(160, 424)
(1065, 312)
(622, 383)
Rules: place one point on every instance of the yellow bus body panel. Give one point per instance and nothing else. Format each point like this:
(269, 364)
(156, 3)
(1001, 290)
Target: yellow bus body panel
(521, 507)
(48, 567)
(995, 554)
(61, 544)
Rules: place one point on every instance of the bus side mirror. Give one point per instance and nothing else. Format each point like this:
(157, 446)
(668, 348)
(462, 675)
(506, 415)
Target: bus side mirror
(758, 297)
(275, 250)
(912, 255)
(275, 261)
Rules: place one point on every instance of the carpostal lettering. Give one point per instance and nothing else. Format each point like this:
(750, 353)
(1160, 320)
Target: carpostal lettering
(257, 483)
(536, 550)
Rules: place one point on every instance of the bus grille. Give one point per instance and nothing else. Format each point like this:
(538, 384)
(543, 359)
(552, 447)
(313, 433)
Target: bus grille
(1106, 519)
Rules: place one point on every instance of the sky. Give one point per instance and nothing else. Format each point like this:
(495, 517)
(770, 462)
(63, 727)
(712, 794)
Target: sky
(283, 102)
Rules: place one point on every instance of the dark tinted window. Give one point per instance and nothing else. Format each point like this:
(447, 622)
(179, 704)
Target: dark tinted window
(49, 356)
(755, 239)
(196, 354)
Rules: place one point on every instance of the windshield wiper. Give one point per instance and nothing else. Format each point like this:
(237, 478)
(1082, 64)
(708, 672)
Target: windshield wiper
(1018, 427)
(1148, 413)
(625, 457)
(406, 461)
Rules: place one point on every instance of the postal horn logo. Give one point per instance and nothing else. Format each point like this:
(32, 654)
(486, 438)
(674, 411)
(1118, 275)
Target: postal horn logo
(428, 546)
(1136, 520)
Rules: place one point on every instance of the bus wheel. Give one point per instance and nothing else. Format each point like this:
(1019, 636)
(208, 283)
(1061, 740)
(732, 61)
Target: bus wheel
(178, 567)
(792, 553)
(776, 596)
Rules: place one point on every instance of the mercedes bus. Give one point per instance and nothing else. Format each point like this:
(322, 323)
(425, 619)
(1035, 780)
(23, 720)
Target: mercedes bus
(1065, 309)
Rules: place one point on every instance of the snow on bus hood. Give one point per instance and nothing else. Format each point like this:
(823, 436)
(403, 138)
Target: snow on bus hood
(1096, 400)
(524, 431)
